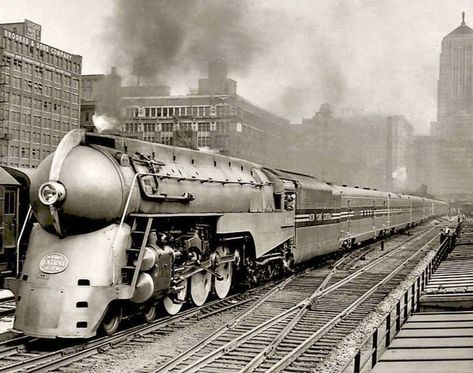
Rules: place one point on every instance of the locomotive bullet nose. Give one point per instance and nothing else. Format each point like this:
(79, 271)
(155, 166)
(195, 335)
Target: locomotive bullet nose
(88, 190)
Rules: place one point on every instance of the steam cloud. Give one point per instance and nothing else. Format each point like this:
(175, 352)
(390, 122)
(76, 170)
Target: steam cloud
(104, 122)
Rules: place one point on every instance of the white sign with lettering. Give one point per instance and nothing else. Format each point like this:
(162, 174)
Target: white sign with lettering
(53, 263)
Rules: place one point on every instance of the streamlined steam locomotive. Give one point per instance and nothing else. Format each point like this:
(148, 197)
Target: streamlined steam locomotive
(124, 225)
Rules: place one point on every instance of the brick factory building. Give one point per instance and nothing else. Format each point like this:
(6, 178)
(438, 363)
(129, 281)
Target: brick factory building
(214, 119)
(39, 95)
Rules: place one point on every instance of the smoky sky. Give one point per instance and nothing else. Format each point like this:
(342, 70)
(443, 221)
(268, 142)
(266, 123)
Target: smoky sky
(291, 56)
(157, 39)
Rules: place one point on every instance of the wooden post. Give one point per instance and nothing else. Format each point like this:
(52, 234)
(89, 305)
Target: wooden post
(398, 316)
(357, 364)
(388, 330)
(374, 353)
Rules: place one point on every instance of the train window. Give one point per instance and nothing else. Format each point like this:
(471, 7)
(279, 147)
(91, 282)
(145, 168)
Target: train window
(10, 203)
(277, 201)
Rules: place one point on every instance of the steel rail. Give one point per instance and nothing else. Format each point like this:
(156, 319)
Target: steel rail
(182, 357)
(56, 359)
(306, 303)
(258, 359)
(14, 345)
(185, 355)
(296, 352)
(7, 306)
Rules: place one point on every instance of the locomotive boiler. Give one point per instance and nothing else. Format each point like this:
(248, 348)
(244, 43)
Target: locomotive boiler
(124, 225)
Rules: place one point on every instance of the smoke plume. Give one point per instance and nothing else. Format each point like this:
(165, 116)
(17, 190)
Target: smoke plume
(158, 39)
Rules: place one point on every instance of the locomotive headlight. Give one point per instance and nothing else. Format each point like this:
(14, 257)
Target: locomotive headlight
(51, 192)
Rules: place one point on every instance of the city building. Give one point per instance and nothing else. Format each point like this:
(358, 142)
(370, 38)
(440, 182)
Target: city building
(455, 85)
(425, 160)
(214, 119)
(39, 94)
(444, 160)
(358, 149)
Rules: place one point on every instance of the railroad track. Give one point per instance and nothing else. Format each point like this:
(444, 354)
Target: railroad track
(298, 327)
(35, 355)
(7, 306)
(31, 354)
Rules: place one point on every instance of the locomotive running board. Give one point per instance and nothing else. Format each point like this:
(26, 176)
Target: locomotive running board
(195, 214)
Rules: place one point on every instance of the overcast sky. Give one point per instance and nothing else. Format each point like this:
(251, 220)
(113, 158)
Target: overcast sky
(287, 56)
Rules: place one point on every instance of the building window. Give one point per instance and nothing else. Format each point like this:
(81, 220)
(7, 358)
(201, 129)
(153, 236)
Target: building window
(27, 101)
(16, 82)
(17, 64)
(15, 116)
(28, 68)
(38, 88)
(166, 138)
(203, 139)
(28, 85)
(38, 72)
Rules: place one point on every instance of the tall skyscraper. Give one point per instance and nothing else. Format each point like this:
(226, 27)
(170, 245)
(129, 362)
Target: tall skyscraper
(455, 84)
(448, 168)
